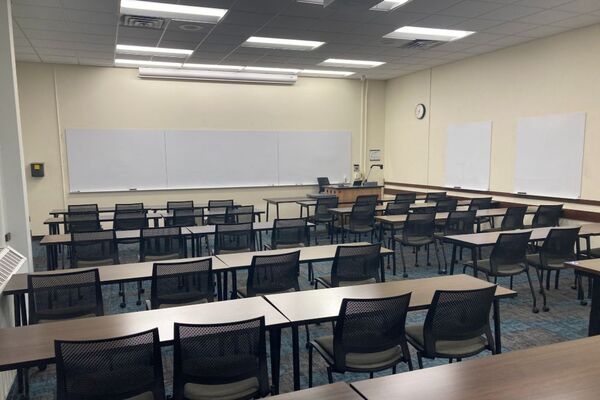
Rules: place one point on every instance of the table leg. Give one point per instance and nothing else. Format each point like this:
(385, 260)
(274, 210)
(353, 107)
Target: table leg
(474, 259)
(193, 238)
(268, 204)
(453, 260)
(341, 217)
(382, 268)
(275, 344)
(49, 257)
(233, 284)
(302, 211)
(497, 330)
(17, 309)
(277, 209)
(594, 328)
(220, 285)
(296, 356)
(24, 317)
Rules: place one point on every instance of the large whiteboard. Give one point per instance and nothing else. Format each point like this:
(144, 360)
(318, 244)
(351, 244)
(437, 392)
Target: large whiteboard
(118, 160)
(549, 157)
(468, 150)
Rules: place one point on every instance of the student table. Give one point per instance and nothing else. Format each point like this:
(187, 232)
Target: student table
(568, 370)
(314, 306)
(55, 222)
(591, 268)
(276, 201)
(106, 209)
(335, 391)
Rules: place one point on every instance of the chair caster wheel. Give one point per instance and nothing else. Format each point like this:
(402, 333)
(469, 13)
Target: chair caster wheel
(122, 305)
(405, 275)
(535, 310)
(573, 287)
(142, 290)
(546, 309)
(139, 302)
(583, 303)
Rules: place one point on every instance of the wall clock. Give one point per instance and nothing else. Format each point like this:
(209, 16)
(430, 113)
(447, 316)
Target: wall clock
(420, 111)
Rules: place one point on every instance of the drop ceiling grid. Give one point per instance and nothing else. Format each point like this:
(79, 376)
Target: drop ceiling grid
(85, 31)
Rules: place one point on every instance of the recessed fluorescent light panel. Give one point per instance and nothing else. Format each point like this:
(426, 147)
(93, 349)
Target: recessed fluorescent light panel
(419, 33)
(389, 5)
(336, 62)
(173, 11)
(152, 51)
(282, 44)
(142, 63)
(322, 72)
(213, 67)
(323, 3)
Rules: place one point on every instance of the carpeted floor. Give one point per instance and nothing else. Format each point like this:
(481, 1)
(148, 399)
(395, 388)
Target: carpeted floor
(567, 320)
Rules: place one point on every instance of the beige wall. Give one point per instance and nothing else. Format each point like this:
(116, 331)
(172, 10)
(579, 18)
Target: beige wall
(547, 76)
(58, 97)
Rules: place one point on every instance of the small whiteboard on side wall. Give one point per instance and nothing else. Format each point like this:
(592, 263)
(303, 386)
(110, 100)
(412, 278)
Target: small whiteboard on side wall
(468, 150)
(549, 155)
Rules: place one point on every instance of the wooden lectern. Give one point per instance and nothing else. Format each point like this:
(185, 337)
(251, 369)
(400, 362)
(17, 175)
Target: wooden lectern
(348, 194)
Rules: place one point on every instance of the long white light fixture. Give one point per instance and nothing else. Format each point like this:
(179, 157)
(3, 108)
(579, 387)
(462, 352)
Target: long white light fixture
(238, 68)
(281, 44)
(152, 51)
(389, 5)
(213, 67)
(420, 33)
(322, 72)
(143, 63)
(219, 76)
(173, 11)
(336, 62)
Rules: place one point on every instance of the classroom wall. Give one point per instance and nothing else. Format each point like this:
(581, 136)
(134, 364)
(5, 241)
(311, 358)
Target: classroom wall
(554, 75)
(58, 97)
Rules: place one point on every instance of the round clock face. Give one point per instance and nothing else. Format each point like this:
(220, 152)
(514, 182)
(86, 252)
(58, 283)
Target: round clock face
(420, 111)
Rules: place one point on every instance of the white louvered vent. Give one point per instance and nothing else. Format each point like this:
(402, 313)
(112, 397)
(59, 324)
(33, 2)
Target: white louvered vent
(421, 44)
(10, 262)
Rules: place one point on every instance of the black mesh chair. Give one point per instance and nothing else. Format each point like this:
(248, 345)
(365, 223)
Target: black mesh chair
(367, 199)
(457, 223)
(129, 207)
(82, 222)
(432, 197)
(547, 216)
(513, 219)
(482, 203)
(93, 249)
(322, 182)
(395, 208)
(457, 325)
(185, 204)
(323, 216)
(160, 244)
(67, 295)
(184, 217)
(130, 220)
(233, 238)
(181, 283)
(224, 361)
(354, 265)
(239, 214)
(217, 210)
(508, 259)
(83, 208)
(409, 197)
(558, 248)
(369, 336)
(361, 220)
(272, 274)
(446, 205)
(127, 367)
(289, 233)
(419, 231)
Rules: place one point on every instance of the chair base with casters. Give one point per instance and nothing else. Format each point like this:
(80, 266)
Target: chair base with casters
(534, 261)
(417, 245)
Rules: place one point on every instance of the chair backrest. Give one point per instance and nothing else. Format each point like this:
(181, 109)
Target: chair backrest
(446, 205)
(184, 204)
(366, 199)
(164, 243)
(64, 296)
(480, 203)
(130, 219)
(83, 208)
(458, 315)
(369, 326)
(182, 283)
(231, 238)
(290, 232)
(419, 225)
(82, 222)
(323, 206)
(410, 197)
(220, 354)
(424, 210)
(362, 215)
(217, 210)
(184, 217)
(129, 207)
(110, 369)
(513, 218)
(94, 248)
(219, 205)
(356, 263)
(547, 216)
(434, 196)
(397, 208)
(460, 222)
(273, 274)
(239, 214)
(322, 181)
(559, 246)
(510, 250)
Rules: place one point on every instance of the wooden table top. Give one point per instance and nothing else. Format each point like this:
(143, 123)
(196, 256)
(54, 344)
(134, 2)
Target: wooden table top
(103, 218)
(491, 212)
(28, 345)
(281, 200)
(257, 226)
(568, 370)
(335, 391)
(206, 213)
(324, 304)
(591, 266)
(311, 253)
(106, 209)
(118, 273)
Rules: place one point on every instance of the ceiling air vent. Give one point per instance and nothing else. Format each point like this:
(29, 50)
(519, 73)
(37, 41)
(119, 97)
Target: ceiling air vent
(421, 44)
(10, 262)
(136, 21)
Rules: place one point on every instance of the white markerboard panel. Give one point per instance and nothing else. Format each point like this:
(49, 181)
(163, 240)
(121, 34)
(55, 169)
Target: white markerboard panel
(549, 155)
(303, 156)
(197, 159)
(468, 149)
(115, 160)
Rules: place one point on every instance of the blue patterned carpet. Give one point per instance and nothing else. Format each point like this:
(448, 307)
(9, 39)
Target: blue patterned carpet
(567, 320)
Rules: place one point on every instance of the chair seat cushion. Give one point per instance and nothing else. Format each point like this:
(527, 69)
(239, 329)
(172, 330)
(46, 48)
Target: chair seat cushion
(511, 269)
(225, 251)
(414, 240)
(534, 259)
(178, 300)
(358, 228)
(243, 291)
(287, 246)
(327, 280)
(364, 361)
(227, 391)
(447, 348)
(595, 252)
(162, 257)
(94, 263)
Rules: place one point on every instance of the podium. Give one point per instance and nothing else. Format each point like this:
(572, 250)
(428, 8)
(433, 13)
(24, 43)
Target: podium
(348, 194)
